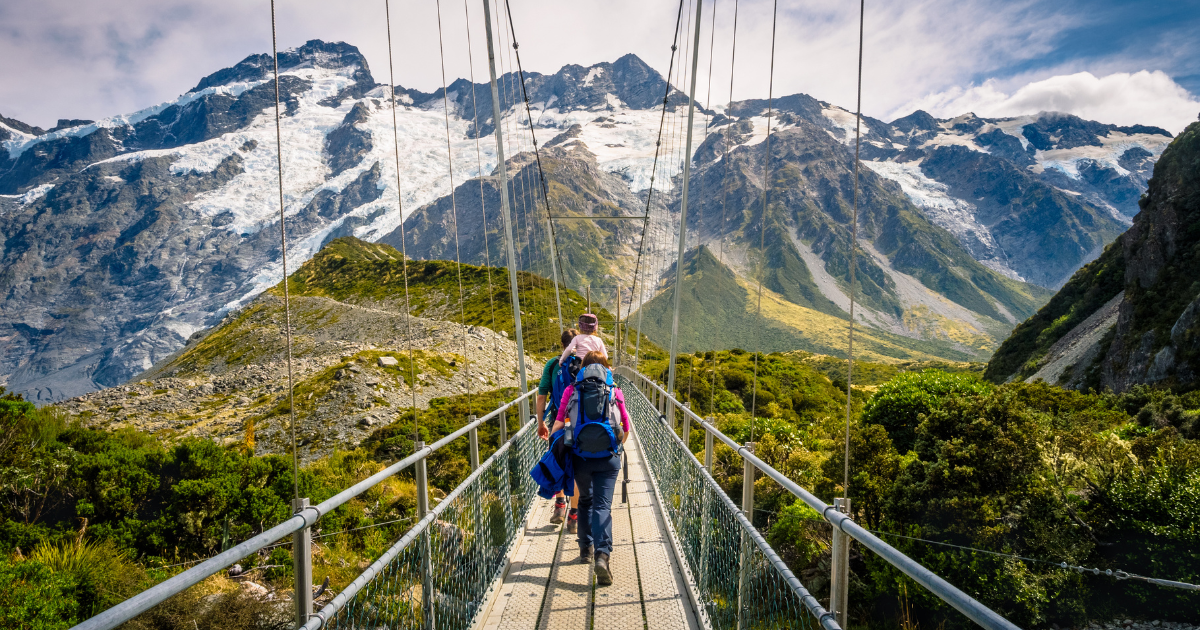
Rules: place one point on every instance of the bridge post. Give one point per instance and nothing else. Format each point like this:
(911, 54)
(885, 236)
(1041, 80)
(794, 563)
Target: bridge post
(426, 547)
(705, 509)
(748, 472)
(473, 436)
(687, 427)
(839, 585)
(302, 567)
(503, 428)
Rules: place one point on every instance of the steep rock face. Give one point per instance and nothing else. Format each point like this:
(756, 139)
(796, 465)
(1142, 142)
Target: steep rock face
(912, 276)
(1157, 330)
(1045, 234)
(599, 253)
(1153, 337)
(125, 236)
(1002, 185)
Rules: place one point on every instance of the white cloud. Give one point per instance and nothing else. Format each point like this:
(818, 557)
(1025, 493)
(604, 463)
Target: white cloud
(1148, 98)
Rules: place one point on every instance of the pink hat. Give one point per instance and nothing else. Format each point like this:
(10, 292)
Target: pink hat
(587, 323)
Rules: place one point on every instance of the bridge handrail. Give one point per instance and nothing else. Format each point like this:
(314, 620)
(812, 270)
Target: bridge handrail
(944, 590)
(322, 617)
(824, 618)
(307, 517)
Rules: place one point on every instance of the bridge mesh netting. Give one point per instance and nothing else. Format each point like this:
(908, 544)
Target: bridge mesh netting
(456, 552)
(714, 534)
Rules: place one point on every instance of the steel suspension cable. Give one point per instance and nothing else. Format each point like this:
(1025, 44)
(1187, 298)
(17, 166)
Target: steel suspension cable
(725, 177)
(853, 247)
(412, 357)
(762, 231)
(487, 253)
(462, 311)
(537, 157)
(287, 308)
(650, 193)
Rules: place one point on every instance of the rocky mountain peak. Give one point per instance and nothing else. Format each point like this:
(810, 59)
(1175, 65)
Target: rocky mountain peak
(314, 53)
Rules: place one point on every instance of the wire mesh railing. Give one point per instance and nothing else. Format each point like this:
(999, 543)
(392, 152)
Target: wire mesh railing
(440, 572)
(739, 582)
(665, 406)
(504, 475)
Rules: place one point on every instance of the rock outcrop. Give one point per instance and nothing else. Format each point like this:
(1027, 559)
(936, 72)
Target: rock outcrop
(1150, 273)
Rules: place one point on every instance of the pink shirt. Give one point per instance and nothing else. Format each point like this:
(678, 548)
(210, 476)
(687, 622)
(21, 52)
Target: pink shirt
(583, 344)
(618, 398)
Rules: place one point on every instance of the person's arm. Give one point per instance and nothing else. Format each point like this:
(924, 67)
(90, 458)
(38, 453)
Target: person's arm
(603, 348)
(542, 431)
(619, 398)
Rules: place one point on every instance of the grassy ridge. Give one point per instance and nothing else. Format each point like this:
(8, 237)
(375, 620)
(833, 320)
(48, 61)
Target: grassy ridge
(354, 271)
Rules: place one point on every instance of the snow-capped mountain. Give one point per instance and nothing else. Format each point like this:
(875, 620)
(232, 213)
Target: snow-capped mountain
(124, 236)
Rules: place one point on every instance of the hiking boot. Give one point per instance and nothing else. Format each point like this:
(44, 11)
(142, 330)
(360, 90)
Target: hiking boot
(585, 554)
(603, 574)
(560, 512)
(573, 524)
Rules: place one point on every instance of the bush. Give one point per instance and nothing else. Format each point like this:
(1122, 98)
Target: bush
(899, 404)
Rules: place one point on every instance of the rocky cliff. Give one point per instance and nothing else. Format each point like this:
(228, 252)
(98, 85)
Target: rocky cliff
(1133, 315)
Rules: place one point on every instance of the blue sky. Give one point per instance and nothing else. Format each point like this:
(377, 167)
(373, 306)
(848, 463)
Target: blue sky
(1115, 61)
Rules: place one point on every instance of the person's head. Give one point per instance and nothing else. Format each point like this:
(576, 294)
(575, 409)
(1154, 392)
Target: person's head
(587, 323)
(567, 336)
(595, 356)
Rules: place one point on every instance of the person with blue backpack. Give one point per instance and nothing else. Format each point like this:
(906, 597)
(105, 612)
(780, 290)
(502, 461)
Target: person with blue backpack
(554, 382)
(595, 425)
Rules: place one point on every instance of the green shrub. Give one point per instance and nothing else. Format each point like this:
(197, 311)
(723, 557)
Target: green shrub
(899, 404)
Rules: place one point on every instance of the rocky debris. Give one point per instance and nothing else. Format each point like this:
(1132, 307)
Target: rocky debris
(344, 387)
(1130, 624)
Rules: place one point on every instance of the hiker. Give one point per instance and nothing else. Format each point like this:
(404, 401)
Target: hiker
(586, 341)
(554, 382)
(599, 425)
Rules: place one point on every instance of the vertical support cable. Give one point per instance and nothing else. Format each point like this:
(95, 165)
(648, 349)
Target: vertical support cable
(462, 312)
(762, 230)
(287, 310)
(853, 247)
(487, 251)
(508, 232)
(412, 357)
(683, 207)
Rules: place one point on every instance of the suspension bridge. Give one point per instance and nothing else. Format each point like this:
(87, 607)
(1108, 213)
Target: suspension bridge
(685, 555)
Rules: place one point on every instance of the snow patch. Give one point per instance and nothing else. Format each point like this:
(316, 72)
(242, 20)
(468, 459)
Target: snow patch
(950, 213)
(592, 75)
(845, 121)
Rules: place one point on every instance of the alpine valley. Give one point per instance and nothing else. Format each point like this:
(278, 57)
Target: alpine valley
(124, 238)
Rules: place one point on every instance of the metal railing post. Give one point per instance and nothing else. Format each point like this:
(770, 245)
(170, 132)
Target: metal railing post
(473, 437)
(748, 471)
(427, 594)
(706, 509)
(686, 433)
(503, 428)
(839, 584)
(302, 567)
(708, 447)
(671, 414)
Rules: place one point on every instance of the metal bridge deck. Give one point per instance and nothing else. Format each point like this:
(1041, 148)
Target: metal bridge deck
(547, 588)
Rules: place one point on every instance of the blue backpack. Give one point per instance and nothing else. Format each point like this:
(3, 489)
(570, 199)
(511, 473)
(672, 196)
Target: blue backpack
(564, 376)
(595, 430)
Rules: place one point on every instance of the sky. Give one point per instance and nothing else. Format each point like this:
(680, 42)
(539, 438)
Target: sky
(1114, 61)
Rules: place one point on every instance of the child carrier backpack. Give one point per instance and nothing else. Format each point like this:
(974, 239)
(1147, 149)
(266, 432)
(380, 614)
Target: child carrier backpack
(564, 376)
(595, 431)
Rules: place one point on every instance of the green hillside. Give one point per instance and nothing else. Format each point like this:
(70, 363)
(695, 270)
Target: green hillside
(718, 310)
